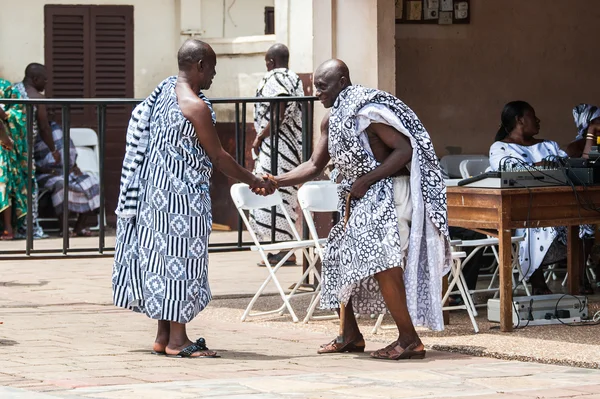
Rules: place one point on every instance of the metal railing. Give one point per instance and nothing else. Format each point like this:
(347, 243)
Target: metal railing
(101, 104)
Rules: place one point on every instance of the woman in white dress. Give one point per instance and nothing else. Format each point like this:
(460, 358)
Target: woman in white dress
(516, 146)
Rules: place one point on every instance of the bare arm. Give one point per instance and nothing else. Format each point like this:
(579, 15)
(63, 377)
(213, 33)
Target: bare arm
(314, 166)
(266, 132)
(398, 159)
(44, 124)
(198, 113)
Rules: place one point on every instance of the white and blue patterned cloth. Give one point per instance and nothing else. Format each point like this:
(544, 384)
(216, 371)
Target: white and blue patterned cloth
(370, 243)
(138, 135)
(275, 83)
(161, 254)
(84, 188)
(584, 114)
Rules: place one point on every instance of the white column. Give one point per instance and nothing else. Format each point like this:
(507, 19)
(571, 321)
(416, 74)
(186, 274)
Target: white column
(362, 34)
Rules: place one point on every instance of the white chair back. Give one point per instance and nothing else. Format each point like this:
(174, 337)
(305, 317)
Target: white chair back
(318, 196)
(451, 164)
(474, 167)
(244, 200)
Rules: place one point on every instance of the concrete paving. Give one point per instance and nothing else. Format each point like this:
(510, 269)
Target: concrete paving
(62, 338)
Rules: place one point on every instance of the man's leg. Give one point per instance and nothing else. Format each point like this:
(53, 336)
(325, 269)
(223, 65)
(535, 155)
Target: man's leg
(391, 283)
(178, 341)
(162, 336)
(352, 338)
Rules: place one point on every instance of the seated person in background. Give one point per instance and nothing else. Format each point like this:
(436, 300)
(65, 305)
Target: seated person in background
(515, 146)
(587, 120)
(84, 189)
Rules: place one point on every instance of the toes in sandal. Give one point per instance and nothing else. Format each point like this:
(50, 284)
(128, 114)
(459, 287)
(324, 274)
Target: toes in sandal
(396, 352)
(198, 346)
(355, 345)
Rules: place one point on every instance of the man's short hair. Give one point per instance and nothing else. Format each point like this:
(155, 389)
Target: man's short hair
(191, 52)
(34, 69)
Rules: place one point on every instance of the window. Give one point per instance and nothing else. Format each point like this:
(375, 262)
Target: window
(269, 20)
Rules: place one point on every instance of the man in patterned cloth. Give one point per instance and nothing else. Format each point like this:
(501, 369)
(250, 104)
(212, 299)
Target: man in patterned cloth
(394, 248)
(279, 81)
(164, 209)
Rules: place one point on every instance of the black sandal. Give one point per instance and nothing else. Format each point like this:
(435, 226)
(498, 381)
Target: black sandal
(198, 346)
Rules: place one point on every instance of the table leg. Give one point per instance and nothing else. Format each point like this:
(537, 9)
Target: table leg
(574, 249)
(506, 287)
(446, 313)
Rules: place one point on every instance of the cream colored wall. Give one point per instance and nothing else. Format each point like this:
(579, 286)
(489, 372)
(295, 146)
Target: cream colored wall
(239, 17)
(240, 66)
(157, 27)
(153, 48)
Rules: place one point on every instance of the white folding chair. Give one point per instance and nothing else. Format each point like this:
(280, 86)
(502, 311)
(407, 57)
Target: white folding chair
(317, 196)
(455, 278)
(245, 200)
(473, 167)
(88, 155)
(492, 243)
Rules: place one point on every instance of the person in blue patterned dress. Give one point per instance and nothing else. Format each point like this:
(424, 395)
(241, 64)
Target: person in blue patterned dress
(164, 207)
(394, 249)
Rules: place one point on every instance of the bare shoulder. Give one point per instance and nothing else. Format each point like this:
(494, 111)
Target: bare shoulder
(192, 107)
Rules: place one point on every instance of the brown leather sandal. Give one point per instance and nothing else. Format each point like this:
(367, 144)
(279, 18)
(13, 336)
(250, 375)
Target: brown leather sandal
(396, 352)
(355, 345)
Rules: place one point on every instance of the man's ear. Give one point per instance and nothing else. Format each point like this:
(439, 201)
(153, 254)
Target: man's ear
(200, 65)
(343, 81)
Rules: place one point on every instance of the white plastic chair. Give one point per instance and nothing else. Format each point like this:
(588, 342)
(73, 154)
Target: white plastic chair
(245, 200)
(88, 154)
(317, 196)
(473, 167)
(451, 164)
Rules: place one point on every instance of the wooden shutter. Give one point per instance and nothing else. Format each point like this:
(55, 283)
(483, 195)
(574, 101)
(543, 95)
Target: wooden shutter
(89, 54)
(67, 54)
(111, 51)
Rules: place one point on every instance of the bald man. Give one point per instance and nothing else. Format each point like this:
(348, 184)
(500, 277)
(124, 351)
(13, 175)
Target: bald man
(164, 209)
(278, 81)
(394, 248)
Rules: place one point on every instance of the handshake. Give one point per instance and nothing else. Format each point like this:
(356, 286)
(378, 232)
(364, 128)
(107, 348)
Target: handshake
(264, 185)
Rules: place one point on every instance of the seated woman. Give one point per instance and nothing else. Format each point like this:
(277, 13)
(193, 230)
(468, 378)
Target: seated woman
(516, 146)
(84, 189)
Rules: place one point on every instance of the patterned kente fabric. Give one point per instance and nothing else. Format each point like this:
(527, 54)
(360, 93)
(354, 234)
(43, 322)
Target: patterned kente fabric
(161, 254)
(370, 242)
(279, 82)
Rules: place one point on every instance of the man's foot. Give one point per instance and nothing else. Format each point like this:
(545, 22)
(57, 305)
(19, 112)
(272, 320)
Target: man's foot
(190, 349)
(355, 345)
(395, 351)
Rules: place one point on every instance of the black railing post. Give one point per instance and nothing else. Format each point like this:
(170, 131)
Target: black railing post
(101, 139)
(237, 159)
(66, 159)
(101, 104)
(30, 177)
(272, 130)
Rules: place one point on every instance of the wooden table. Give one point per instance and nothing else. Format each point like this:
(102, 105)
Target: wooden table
(497, 212)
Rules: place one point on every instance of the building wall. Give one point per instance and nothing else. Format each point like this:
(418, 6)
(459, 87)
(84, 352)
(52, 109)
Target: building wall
(157, 36)
(457, 78)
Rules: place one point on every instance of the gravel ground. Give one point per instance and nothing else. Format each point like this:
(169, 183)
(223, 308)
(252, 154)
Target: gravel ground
(554, 344)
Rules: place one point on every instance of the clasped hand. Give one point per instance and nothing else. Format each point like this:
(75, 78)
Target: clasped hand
(264, 185)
